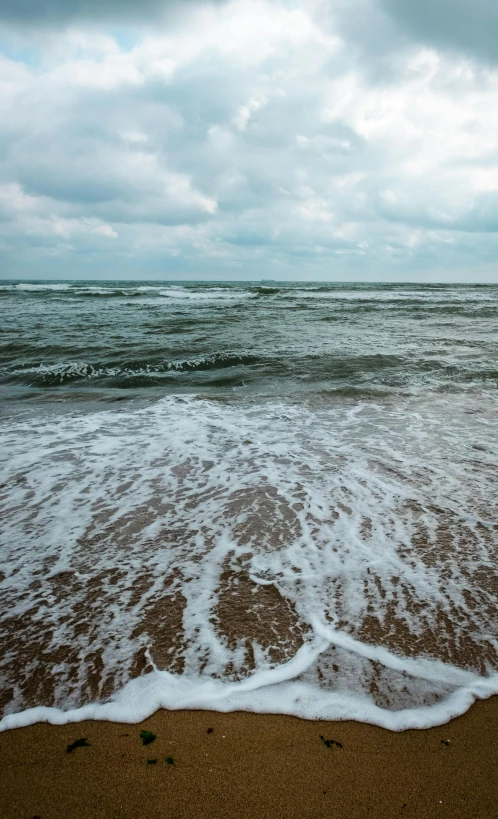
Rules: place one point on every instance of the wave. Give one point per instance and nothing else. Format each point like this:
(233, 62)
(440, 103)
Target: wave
(35, 288)
(266, 291)
(95, 291)
(351, 301)
(341, 374)
(61, 373)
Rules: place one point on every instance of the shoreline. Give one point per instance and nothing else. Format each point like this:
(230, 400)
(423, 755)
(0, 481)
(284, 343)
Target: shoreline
(213, 764)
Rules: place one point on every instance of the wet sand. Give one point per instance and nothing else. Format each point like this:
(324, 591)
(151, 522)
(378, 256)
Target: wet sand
(250, 765)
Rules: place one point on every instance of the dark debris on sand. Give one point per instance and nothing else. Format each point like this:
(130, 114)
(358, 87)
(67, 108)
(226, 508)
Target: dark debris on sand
(78, 743)
(330, 743)
(147, 737)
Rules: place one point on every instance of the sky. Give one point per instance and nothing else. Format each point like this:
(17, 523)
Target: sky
(249, 139)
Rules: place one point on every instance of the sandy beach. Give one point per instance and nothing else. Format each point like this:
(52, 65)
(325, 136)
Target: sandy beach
(207, 764)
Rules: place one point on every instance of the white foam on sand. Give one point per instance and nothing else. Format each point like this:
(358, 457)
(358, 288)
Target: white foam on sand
(359, 539)
(272, 691)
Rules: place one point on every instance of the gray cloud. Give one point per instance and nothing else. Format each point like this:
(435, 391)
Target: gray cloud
(61, 12)
(382, 32)
(471, 27)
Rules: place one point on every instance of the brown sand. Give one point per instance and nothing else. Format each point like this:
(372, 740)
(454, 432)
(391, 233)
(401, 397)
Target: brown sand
(248, 765)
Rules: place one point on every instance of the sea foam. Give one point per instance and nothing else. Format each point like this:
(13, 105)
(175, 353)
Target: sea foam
(326, 559)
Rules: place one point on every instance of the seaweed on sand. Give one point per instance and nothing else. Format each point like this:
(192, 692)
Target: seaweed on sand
(329, 743)
(78, 743)
(147, 737)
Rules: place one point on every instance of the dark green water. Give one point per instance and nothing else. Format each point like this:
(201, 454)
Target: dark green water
(124, 339)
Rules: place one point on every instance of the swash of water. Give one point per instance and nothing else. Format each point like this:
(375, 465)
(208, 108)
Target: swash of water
(275, 497)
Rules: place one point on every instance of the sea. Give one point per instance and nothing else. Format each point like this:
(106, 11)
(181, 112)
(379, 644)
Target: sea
(261, 496)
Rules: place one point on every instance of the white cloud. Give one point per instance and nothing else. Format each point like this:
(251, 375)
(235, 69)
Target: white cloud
(245, 113)
(106, 230)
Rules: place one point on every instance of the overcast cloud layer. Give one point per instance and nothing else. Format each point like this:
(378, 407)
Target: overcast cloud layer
(249, 139)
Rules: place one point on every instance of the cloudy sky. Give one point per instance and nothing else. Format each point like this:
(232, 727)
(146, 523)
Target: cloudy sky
(277, 139)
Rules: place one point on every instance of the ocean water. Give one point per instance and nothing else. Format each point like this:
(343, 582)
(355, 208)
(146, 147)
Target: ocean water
(261, 496)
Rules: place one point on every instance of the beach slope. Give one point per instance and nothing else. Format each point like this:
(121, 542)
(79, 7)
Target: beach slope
(207, 764)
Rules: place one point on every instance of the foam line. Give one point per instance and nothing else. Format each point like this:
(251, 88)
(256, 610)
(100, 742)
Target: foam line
(433, 670)
(140, 698)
